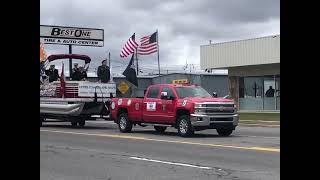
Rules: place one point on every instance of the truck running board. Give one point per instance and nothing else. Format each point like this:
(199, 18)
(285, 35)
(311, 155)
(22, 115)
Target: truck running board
(152, 124)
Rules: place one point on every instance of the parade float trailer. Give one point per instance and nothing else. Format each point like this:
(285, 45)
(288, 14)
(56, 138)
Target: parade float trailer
(74, 101)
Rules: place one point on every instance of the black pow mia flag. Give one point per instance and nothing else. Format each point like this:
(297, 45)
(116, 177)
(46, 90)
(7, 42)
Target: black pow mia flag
(130, 72)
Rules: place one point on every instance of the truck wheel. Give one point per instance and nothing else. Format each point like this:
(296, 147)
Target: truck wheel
(124, 124)
(82, 123)
(224, 132)
(184, 126)
(160, 129)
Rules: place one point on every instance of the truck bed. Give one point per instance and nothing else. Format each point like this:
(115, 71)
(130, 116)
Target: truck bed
(133, 105)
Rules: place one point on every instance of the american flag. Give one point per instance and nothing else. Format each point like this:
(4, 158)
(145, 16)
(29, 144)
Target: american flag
(129, 47)
(148, 44)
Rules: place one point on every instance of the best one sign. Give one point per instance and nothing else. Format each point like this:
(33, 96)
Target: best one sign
(71, 36)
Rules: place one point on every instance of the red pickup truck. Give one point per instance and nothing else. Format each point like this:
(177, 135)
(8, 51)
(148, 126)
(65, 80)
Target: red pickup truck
(188, 108)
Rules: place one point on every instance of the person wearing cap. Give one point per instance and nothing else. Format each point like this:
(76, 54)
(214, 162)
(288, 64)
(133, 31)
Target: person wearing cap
(75, 67)
(103, 72)
(83, 74)
(76, 74)
(79, 74)
(53, 73)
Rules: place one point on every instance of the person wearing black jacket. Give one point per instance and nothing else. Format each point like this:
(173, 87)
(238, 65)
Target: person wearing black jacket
(79, 74)
(83, 74)
(270, 92)
(52, 73)
(76, 75)
(103, 72)
(75, 67)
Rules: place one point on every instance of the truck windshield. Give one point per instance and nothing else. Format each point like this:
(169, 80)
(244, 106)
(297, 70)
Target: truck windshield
(192, 92)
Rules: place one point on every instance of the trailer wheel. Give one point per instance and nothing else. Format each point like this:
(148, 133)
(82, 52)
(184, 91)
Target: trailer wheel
(160, 129)
(185, 128)
(124, 124)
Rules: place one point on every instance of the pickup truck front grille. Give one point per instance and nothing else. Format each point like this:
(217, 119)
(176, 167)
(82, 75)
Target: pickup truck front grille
(215, 108)
(220, 110)
(218, 105)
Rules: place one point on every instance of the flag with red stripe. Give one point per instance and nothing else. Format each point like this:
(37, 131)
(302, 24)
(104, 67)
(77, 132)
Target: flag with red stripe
(148, 44)
(129, 47)
(62, 83)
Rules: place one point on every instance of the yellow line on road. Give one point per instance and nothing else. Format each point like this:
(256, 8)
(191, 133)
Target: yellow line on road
(168, 141)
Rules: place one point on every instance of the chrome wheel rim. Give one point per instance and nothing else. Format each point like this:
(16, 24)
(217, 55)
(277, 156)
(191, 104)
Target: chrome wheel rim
(183, 126)
(123, 123)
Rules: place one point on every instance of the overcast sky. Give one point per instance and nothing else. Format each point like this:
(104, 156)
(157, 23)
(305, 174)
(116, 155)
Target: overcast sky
(183, 26)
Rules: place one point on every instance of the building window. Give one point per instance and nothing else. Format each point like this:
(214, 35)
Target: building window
(269, 99)
(277, 92)
(259, 93)
(251, 96)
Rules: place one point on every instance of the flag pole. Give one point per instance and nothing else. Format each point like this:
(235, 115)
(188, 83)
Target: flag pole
(109, 59)
(110, 68)
(137, 61)
(158, 51)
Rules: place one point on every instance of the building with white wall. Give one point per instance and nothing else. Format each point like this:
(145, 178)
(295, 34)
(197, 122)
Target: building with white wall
(253, 70)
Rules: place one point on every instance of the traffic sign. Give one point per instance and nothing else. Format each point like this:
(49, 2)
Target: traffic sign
(123, 87)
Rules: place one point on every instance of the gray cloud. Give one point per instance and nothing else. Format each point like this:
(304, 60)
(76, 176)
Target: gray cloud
(183, 25)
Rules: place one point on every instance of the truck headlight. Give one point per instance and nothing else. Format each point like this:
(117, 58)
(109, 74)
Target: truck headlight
(198, 105)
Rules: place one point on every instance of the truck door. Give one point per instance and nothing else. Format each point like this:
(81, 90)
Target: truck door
(152, 105)
(168, 105)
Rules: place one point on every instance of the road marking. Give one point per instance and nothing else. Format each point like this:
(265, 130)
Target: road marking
(171, 163)
(168, 141)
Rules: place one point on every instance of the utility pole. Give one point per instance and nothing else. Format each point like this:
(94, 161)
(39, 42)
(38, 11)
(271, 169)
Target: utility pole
(109, 60)
(190, 66)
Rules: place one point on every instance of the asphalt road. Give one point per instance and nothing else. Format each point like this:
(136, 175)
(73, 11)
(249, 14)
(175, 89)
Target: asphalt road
(99, 152)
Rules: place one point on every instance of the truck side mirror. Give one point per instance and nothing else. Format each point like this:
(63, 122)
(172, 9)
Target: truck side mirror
(164, 95)
(215, 94)
(227, 97)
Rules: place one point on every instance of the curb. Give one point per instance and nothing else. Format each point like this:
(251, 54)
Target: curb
(259, 125)
(262, 121)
